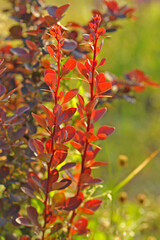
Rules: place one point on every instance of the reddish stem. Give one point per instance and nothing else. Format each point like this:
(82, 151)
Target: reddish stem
(87, 130)
(52, 144)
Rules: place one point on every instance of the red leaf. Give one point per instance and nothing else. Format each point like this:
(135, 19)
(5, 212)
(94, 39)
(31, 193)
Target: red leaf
(102, 62)
(81, 100)
(25, 237)
(104, 131)
(51, 80)
(98, 114)
(95, 164)
(101, 84)
(112, 5)
(60, 10)
(101, 31)
(59, 157)
(90, 106)
(50, 49)
(69, 95)
(49, 145)
(68, 66)
(80, 226)
(31, 45)
(59, 146)
(53, 178)
(77, 146)
(72, 203)
(39, 120)
(93, 204)
(48, 113)
(33, 215)
(83, 70)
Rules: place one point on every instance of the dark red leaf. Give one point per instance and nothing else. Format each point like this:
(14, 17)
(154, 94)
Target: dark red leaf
(53, 176)
(104, 131)
(34, 181)
(83, 70)
(60, 10)
(67, 133)
(2, 90)
(72, 203)
(66, 115)
(90, 106)
(33, 215)
(31, 45)
(112, 5)
(48, 113)
(49, 145)
(51, 10)
(64, 183)
(69, 45)
(40, 120)
(93, 204)
(81, 100)
(98, 114)
(69, 95)
(19, 51)
(102, 62)
(23, 221)
(56, 227)
(67, 165)
(38, 146)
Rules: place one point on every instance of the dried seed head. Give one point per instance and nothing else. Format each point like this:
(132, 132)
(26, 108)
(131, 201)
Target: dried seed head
(123, 160)
(123, 197)
(141, 198)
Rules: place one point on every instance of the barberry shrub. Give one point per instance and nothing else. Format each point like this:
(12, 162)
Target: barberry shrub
(48, 135)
